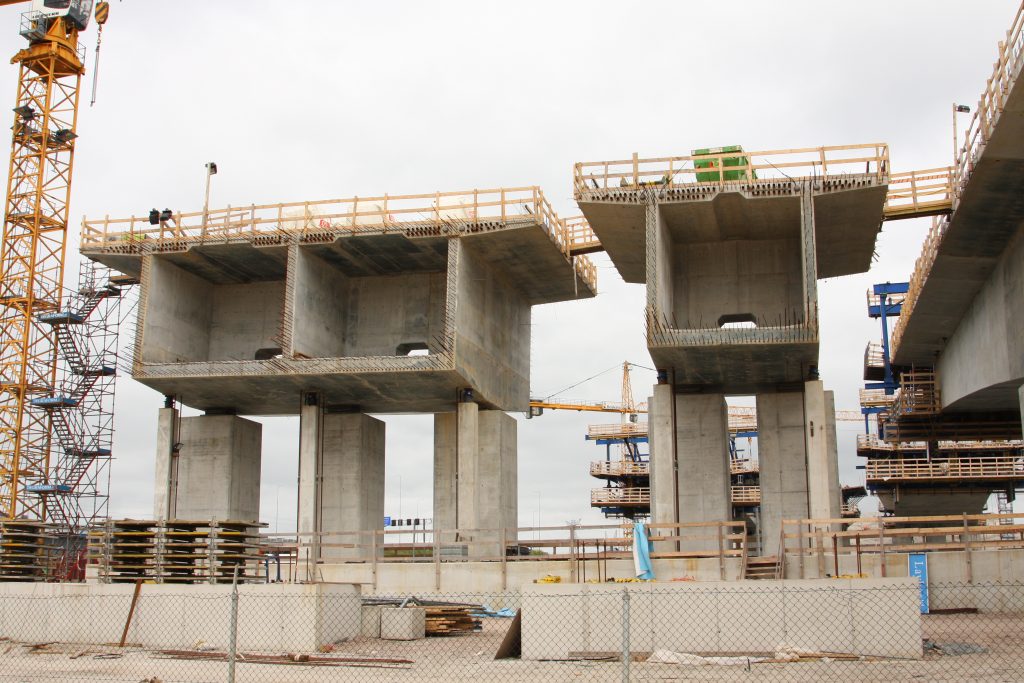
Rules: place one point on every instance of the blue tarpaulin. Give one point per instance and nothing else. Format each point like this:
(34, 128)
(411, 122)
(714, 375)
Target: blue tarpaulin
(642, 552)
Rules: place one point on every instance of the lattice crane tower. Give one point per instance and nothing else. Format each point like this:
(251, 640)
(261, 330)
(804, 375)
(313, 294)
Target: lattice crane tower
(32, 254)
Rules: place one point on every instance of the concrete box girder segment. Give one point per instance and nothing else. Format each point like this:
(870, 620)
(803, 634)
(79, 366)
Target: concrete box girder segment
(375, 309)
(848, 205)
(759, 269)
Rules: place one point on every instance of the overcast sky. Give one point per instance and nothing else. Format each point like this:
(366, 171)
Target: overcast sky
(315, 100)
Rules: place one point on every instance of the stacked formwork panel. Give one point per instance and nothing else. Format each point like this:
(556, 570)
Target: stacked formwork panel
(175, 551)
(731, 262)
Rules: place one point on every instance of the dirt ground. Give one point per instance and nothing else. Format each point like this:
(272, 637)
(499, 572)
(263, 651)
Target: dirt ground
(470, 657)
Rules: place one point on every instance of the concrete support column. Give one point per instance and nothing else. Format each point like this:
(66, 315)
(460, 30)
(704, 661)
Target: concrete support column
(702, 453)
(783, 465)
(835, 488)
(662, 443)
(341, 481)
(308, 521)
(166, 485)
(822, 478)
(218, 469)
(1020, 395)
(475, 475)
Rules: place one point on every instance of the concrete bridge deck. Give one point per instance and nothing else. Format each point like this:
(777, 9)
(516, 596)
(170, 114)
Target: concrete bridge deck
(964, 312)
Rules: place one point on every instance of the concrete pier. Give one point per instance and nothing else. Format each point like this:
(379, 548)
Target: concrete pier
(475, 474)
(214, 471)
(731, 265)
(341, 480)
(394, 304)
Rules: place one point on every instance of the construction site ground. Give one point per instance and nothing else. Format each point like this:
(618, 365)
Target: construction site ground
(471, 657)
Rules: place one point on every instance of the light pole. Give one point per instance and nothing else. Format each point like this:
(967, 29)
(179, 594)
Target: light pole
(211, 170)
(957, 109)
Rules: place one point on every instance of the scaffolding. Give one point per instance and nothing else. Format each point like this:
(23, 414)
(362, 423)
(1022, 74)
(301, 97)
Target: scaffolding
(79, 408)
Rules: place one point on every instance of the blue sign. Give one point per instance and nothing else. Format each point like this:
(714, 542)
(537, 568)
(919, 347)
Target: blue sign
(917, 565)
(387, 521)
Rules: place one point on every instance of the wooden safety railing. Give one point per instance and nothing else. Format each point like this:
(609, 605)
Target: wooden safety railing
(619, 468)
(919, 193)
(580, 235)
(870, 442)
(849, 510)
(757, 167)
(632, 496)
(745, 495)
(922, 469)
(438, 213)
(744, 466)
(304, 554)
(918, 394)
(834, 546)
(617, 431)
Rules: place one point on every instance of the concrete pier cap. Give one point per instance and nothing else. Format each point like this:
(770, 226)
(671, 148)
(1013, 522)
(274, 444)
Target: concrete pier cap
(383, 305)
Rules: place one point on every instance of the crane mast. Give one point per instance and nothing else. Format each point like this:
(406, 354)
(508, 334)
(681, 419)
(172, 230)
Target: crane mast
(32, 253)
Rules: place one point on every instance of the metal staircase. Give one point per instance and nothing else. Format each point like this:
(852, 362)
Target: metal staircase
(80, 410)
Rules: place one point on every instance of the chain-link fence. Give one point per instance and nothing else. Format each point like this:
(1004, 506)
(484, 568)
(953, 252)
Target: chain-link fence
(867, 630)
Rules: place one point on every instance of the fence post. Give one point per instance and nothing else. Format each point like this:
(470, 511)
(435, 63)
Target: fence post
(625, 635)
(233, 628)
(967, 551)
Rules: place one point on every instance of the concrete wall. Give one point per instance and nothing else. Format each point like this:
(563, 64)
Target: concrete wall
(187, 318)
(219, 468)
(244, 319)
(987, 348)
(492, 325)
(761, 278)
(274, 617)
(336, 316)
(176, 314)
(783, 465)
(319, 302)
(871, 617)
(702, 453)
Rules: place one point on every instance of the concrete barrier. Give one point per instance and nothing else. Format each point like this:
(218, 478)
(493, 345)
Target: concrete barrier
(291, 617)
(877, 617)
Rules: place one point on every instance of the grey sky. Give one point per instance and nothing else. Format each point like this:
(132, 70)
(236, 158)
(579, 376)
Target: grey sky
(316, 100)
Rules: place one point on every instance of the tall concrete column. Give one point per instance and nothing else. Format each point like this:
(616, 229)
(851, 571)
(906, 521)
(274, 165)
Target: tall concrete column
(475, 474)
(662, 444)
(166, 485)
(835, 488)
(218, 469)
(308, 520)
(1020, 395)
(702, 453)
(821, 492)
(783, 465)
(341, 481)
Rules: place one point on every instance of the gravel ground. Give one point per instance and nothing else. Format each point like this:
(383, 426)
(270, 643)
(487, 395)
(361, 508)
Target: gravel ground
(470, 657)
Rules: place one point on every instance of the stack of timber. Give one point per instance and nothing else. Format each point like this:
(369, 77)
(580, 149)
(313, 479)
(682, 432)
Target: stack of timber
(447, 620)
(442, 618)
(175, 551)
(22, 550)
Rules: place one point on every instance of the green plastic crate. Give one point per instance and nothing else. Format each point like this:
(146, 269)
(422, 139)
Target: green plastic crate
(713, 176)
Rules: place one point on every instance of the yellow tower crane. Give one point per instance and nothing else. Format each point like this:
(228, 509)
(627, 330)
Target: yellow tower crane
(32, 253)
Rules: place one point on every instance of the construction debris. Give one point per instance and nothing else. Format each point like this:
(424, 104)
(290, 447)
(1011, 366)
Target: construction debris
(442, 618)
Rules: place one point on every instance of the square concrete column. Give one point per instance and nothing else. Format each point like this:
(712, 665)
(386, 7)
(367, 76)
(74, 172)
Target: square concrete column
(702, 453)
(341, 483)
(662, 444)
(218, 468)
(475, 475)
(783, 464)
(166, 486)
(823, 497)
